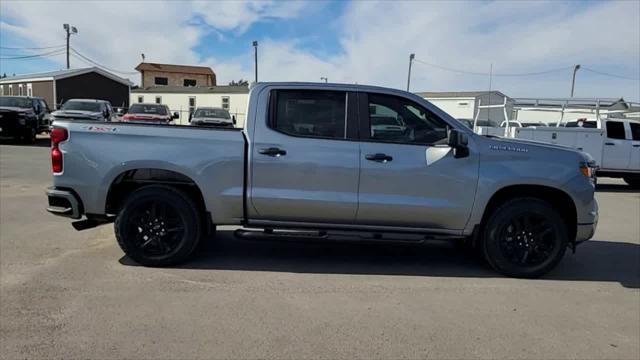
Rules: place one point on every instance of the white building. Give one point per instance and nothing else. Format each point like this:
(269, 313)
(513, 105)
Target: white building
(464, 104)
(185, 100)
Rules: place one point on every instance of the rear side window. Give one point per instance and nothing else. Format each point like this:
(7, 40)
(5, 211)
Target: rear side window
(309, 113)
(635, 131)
(615, 130)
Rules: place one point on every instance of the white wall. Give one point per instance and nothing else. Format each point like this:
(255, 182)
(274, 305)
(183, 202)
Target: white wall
(179, 102)
(530, 115)
(459, 108)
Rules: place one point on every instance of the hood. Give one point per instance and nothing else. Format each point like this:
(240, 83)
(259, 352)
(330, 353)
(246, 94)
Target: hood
(523, 146)
(14, 109)
(83, 114)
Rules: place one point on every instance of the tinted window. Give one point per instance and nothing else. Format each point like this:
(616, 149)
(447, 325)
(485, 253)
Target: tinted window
(212, 113)
(394, 119)
(310, 113)
(82, 106)
(615, 130)
(189, 82)
(635, 131)
(148, 109)
(15, 102)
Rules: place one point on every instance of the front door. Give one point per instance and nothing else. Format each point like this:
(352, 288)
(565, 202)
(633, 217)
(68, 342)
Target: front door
(617, 149)
(408, 175)
(304, 161)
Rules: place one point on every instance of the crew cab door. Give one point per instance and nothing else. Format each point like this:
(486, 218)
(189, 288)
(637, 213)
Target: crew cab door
(617, 149)
(304, 160)
(409, 176)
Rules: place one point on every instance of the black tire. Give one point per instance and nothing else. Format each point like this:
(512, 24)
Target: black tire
(524, 237)
(158, 226)
(633, 182)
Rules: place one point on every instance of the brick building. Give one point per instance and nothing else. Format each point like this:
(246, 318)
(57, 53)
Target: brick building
(152, 74)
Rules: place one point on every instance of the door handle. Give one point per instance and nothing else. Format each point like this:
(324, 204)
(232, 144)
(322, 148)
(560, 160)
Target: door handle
(378, 157)
(272, 151)
(609, 143)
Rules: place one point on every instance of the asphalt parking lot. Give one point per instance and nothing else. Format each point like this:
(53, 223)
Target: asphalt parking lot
(68, 294)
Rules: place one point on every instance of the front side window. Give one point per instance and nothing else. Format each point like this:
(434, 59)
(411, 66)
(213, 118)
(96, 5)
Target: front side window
(161, 80)
(635, 131)
(310, 113)
(615, 130)
(394, 119)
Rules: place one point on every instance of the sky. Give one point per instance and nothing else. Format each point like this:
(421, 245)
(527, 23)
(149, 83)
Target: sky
(531, 46)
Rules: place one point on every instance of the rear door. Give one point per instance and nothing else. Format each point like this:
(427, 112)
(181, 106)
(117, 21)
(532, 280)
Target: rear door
(617, 149)
(305, 158)
(634, 162)
(408, 174)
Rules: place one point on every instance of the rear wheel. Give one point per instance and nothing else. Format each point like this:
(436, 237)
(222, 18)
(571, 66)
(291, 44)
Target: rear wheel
(158, 226)
(524, 237)
(634, 182)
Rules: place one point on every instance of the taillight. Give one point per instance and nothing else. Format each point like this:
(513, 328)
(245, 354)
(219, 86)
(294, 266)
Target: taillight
(57, 136)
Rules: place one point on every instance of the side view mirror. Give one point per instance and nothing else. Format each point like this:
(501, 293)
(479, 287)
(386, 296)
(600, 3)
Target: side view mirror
(105, 112)
(175, 115)
(458, 141)
(120, 111)
(233, 119)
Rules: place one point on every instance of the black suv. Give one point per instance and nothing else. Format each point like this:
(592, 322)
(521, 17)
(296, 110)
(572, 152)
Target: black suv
(22, 117)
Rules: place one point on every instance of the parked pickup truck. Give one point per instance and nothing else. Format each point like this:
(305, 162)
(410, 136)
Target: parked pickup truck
(308, 163)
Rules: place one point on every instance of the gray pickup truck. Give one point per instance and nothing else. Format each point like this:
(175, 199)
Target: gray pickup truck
(311, 162)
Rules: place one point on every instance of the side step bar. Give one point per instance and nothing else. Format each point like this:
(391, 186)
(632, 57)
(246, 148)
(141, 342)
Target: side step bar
(330, 235)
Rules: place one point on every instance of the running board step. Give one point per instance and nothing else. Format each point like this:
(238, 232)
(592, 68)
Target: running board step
(293, 235)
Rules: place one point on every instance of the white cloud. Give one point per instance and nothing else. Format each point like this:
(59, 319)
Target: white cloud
(375, 38)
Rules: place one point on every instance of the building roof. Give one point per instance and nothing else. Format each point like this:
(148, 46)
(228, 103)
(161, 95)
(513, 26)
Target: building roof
(170, 68)
(62, 74)
(220, 89)
(457, 94)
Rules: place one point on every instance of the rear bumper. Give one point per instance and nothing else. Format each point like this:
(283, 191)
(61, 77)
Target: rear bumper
(64, 202)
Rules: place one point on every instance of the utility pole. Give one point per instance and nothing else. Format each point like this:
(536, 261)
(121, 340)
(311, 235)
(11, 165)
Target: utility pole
(325, 79)
(71, 30)
(411, 57)
(573, 81)
(255, 47)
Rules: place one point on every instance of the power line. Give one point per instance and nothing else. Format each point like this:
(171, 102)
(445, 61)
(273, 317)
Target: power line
(494, 74)
(87, 59)
(611, 75)
(21, 57)
(31, 48)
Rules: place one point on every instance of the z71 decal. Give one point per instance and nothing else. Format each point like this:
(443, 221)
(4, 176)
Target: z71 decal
(508, 148)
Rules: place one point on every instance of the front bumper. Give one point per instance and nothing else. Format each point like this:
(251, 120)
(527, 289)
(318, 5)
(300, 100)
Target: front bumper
(64, 202)
(585, 232)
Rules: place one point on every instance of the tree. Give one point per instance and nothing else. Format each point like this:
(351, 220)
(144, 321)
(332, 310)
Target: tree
(239, 83)
(3, 76)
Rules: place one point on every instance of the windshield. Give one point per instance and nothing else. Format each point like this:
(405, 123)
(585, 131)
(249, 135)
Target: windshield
(82, 106)
(212, 113)
(148, 109)
(15, 102)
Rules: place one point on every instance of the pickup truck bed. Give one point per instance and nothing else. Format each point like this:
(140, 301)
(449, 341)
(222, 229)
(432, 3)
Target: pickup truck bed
(315, 157)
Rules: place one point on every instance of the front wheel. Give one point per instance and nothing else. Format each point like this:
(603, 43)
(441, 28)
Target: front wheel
(158, 226)
(524, 237)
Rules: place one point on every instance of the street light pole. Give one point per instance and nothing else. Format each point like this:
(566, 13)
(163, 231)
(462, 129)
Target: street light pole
(70, 30)
(573, 81)
(255, 47)
(411, 57)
